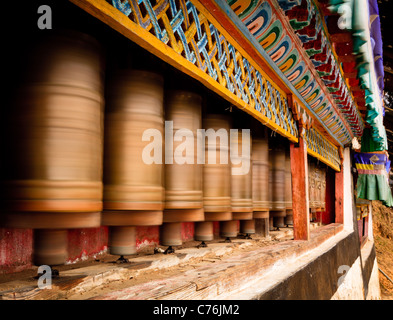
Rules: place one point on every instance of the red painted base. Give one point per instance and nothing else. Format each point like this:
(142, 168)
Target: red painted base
(16, 245)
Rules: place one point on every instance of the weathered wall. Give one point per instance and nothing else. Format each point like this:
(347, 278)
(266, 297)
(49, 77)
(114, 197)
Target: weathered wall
(319, 279)
(333, 270)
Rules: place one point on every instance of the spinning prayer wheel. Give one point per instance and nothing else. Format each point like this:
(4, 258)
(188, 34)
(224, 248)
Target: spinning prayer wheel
(316, 194)
(216, 176)
(323, 189)
(288, 220)
(228, 229)
(277, 186)
(241, 180)
(320, 189)
(311, 187)
(321, 178)
(260, 178)
(53, 168)
(317, 188)
(241, 177)
(247, 227)
(133, 166)
(183, 173)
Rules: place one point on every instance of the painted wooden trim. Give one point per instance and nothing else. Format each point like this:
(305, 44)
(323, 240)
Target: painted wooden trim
(221, 5)
(135, 32)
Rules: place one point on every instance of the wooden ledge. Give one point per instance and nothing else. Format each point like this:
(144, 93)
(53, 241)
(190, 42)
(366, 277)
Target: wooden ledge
(190, 273)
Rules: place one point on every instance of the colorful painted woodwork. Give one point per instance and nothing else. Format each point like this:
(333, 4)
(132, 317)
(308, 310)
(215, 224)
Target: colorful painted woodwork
(190, 36)
(304, 63)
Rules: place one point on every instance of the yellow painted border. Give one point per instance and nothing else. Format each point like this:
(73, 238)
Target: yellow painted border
(322, 158)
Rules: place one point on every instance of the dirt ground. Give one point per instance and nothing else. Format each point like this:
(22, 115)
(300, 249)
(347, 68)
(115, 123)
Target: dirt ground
(383, 237)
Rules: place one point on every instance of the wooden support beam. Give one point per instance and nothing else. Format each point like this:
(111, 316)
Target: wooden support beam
(339, 196)
(300, 196)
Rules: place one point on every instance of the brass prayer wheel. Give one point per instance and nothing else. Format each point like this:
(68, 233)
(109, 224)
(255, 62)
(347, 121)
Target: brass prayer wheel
(288, 190)
(317, 188)
(260, 178)
(183, 173)
(133, 177)
(228, 229)
(323, 189)
(50, 247)
(216, 176)
(53, 177)
(122, 240)
(241, 180)
(204, 231)
(170, 234)
(277, 185)
(247, 226)
(312, 190)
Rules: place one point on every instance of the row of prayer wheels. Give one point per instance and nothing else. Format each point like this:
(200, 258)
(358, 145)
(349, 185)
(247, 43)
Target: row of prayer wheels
(77, 161)
(317, 188)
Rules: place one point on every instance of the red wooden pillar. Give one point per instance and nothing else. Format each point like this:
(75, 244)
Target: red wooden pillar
(339, 196)
(300, 197)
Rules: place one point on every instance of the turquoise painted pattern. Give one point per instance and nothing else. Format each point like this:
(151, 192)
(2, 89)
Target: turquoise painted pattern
(260, 19)
(206, 47)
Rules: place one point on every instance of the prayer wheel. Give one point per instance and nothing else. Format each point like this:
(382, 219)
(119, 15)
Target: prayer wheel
(312, 189)
(247, 226)
(228, 229)
(323, 189)
(260, 178)
(317, 176)
(53, 169)
(204, 231)
(288, 220)
(277, 186)
(216, 176)
(241, 177)
(183, 173)
(133, 160)
(241, 180)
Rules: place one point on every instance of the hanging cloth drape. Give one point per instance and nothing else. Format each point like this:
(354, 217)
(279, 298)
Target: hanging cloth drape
(373, 177)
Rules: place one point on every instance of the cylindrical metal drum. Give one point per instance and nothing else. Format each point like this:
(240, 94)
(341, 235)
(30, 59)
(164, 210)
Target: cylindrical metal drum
(260, 178)
(204, 231)
(323, 189)
(183, 173)
(50, 247)
(247, 226)
(170, 234)
(228, 229)
(288, 220)
(313, 187)
(277, 184)
(216, 176)
(133, 159)
(241, 176)
(318, 186)
(122, 240)
(53, 168)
